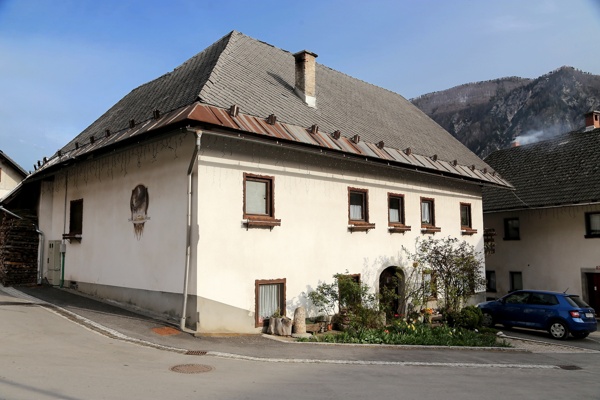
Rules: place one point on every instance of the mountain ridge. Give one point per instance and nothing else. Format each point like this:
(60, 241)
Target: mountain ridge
(488, 115)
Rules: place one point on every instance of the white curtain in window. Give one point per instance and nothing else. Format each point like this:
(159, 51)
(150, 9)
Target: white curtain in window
(394, 215)
(256, 197)
(268, 300)
(356, 206)
(425, 213)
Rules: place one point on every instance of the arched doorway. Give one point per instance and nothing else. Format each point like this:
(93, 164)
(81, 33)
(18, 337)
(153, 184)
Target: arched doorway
(392, 280)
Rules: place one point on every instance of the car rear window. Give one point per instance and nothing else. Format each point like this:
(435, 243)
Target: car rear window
(575, 301)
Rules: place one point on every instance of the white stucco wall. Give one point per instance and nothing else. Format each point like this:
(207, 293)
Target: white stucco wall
(313, 242)
(552, 253)
(109, 253)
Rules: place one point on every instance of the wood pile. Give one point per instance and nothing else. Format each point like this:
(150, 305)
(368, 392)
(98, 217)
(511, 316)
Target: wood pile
(18, 250)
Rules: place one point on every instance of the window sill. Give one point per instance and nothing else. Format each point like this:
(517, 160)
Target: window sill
(360, 226)
(399, 228)
(468, 231)
(593, 236)
(73, 237)
(511, 238)
(261, 222)
(430, 229)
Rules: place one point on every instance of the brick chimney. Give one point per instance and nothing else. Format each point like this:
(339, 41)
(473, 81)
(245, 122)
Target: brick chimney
(592, 120)
(305, 77)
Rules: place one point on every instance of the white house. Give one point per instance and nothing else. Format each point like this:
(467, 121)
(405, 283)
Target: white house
(547, 231)
(11, 174)
(229, 187)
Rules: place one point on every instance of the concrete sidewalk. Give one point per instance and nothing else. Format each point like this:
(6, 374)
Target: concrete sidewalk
(118, 322)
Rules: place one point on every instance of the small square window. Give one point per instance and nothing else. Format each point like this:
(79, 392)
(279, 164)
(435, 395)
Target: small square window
(269, 298)
(357, 207)
(259, 203)
(512, 229)
(516, 281)
(396, 209)
(465, 216)
(427, 212)
(592, 225)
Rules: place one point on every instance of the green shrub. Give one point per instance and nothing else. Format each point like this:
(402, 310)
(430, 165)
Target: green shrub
(469, 317)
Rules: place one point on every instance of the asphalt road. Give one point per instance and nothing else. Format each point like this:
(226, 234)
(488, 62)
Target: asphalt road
(44, 355)
(592, 342)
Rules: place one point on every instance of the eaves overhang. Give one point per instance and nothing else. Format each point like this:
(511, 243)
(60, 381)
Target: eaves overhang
(231, 121)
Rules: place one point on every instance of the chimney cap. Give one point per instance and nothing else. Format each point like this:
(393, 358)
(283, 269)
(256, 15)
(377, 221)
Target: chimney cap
(303, 52)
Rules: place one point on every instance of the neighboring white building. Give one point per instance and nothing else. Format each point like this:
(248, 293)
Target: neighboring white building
(11, 174)
(246, 177)
(547, 232)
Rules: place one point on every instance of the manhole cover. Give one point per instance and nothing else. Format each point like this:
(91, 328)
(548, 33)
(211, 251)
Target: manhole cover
(191, 368)
(569, 367)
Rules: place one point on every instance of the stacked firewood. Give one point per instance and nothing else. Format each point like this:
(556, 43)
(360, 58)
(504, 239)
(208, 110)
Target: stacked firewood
(18, 250)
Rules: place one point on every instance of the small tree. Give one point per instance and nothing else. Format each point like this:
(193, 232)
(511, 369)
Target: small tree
(455, 269)
(325, 298)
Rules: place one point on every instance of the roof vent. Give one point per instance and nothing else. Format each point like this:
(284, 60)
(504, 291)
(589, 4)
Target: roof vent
(314, 129)
(107, 132)
(473, 167)
(356, 139)
(76, 145)
(131, 123)
(380, 144)
(485, 170)
(234, 110)
(59, 153)
(156, 114)
(454, 163)
(305, 86)
(434, 157)
(92, 139)
(271, 119)
(408, 151)
(45, 160)
(336, 134)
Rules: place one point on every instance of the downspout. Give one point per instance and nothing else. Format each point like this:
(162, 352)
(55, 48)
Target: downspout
(188, 241)
(63, 245)
(40, 246)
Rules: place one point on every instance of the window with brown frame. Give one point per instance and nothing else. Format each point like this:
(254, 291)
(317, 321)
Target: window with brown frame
(428, 216)
(358, 209)
(396, 222)
(259, 202)
(269, 299)
(466, 222)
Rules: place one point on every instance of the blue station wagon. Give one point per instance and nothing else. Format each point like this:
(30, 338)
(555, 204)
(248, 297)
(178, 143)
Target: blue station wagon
(557, 313)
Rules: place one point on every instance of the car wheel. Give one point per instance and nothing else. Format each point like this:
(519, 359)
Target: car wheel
(488, 320)
(580, 335)
(558, 330)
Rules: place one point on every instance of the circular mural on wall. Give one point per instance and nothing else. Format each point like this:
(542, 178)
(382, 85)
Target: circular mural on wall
(139, 209)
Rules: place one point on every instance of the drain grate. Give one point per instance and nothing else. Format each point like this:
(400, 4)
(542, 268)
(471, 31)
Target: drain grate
(570, 367)
(195, 353)
(191, 368)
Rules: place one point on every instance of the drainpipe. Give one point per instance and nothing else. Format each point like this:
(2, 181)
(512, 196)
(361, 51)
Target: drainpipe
(188, 242)
(40, 245)
(63, 244)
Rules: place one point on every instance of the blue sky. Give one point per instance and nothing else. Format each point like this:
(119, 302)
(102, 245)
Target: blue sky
(63, 63)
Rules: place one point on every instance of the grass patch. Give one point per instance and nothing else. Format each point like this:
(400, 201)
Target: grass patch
(403, 333)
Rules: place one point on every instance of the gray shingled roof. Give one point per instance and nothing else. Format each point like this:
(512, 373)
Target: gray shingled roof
(561, 171)
(259, 78)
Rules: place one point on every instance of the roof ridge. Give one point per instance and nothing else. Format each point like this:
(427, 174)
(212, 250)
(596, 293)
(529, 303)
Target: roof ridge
(232, 37)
